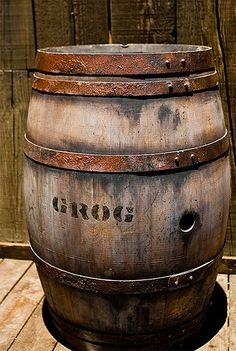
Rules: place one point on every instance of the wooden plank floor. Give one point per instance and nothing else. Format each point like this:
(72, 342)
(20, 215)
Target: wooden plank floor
(22, 327)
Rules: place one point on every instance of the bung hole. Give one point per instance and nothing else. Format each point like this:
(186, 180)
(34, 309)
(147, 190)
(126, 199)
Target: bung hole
(187, 222)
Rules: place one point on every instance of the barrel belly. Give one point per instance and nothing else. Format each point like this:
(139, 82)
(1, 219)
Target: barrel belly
(127, 226)
(127, 192)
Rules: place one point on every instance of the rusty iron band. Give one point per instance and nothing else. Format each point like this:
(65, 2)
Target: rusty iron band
(127, 163)
(140, 286)
(125, 62)
(84, 86)
(68, 330)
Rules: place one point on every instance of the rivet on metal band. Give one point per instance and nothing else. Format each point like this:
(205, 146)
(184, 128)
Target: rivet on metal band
(127, 163)
(139, 286)
(117, 86)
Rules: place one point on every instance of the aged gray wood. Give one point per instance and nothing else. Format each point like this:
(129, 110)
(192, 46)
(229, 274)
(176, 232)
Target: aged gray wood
(226, 29)
(53, 23)
(34, 336)
(17, 251)
(126, 226)
(18, 306)
(91, 21)
(10, 272)
(142, 21)
(200, 28)
(13, 112)
(60, 347)
(17, 47)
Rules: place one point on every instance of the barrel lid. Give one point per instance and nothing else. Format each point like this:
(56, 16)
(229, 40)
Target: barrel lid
(125, 60)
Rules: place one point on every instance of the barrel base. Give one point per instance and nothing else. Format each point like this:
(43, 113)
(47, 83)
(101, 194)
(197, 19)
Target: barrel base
(76, 338)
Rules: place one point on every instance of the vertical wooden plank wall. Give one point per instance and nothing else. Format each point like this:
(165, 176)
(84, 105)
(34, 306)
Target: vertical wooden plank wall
(139, 21)
(196, 26)
(17, 50)
(26, 25)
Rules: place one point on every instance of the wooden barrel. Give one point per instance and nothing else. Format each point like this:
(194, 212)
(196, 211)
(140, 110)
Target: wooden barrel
(127, 189)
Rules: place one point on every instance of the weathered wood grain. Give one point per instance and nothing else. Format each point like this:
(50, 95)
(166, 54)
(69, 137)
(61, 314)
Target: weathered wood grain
(53, 23)
(60, 347)
(200, 28)
(228, 265)
(18, 306)
(23, 252)
(232, 312)
(230, 248)
(14, 86)
(16, 251)
(17, 48)
(226, 28)
(7, 197)
(143, 21)
(10, 272)
(76, 220)
(91, 21)
(34, 336)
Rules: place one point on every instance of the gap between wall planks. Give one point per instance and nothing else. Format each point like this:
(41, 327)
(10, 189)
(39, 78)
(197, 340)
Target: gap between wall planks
(29, 24)
(68, 22)
(17, 306)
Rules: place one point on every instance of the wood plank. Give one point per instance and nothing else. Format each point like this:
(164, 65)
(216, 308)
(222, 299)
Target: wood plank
(17, 48)
(10, 273)
(60, 347)
(21, 90)
(13, 111)
(230, 246)
(227, 20)
(53, 23)
(221, 340)
(18, 306)
(7, 185)
(228, 265)
(91, 21)
(232, 313)
(143, 21)
(15, 251)
(227, 27)
(34, 336)
(199, 28)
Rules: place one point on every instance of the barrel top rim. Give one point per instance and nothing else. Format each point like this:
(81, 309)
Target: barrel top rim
(124, 49)
(120, 60)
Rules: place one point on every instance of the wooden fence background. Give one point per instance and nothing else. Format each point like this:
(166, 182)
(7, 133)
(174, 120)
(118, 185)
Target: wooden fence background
(26, 25)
